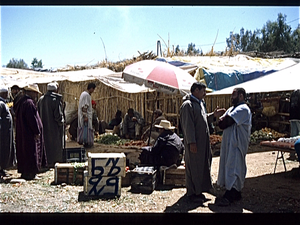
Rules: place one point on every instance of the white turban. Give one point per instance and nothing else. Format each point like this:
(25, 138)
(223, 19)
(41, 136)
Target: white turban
(3, 89)
(52, 87)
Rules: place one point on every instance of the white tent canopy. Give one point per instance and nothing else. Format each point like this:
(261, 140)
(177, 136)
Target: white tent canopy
(11, 76)
(284, 80)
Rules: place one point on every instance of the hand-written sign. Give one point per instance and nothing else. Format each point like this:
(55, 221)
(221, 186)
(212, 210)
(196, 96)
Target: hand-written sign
(104, 186)
(105, 171)
(107, 164)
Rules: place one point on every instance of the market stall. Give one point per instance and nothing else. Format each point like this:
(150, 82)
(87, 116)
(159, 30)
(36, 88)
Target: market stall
(282, 145)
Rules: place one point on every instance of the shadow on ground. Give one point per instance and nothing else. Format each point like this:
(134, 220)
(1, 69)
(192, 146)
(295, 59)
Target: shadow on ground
(270, 193)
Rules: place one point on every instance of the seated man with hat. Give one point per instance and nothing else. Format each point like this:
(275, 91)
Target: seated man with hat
(168, 148)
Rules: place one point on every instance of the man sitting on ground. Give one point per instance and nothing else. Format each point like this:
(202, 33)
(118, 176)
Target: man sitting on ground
(168, 148)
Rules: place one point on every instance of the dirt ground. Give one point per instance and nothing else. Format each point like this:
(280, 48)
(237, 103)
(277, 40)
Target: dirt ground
(264, 192)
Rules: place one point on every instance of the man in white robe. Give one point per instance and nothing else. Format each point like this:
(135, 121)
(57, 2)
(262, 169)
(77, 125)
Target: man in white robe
(236, 125)
(85, 110)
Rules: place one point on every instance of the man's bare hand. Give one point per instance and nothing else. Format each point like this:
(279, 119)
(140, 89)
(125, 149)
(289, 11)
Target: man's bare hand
(219, 112)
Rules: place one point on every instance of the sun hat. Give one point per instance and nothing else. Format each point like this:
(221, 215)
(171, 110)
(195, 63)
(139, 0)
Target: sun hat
(32, 87)
(165, 124)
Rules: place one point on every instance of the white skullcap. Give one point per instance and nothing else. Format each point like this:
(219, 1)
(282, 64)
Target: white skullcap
(3, 89)
(52, 87)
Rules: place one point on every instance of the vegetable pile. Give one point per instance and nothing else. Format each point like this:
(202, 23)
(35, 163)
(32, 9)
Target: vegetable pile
(265, 134)
(215, 139)
(110, 139)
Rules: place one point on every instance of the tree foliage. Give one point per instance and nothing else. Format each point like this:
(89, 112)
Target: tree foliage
(36, 64)
(15, 63)
(274, 36)
(177, 50)
(191, 50)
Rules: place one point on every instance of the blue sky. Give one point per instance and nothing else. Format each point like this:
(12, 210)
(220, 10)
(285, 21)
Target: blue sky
(61, 35)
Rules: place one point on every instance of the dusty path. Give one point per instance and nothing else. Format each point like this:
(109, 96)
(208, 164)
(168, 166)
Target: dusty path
(264, 192)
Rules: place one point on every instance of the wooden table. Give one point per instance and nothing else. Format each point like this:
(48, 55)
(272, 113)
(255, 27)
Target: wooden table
(281, 148)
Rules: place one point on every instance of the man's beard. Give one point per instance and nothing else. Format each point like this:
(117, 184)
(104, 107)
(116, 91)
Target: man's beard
(235, 101)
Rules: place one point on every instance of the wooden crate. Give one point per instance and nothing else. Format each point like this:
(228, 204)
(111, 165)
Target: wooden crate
(74, 155)
(106, 164)
(174, 177)
(102, 186)
(69, 173)
(143, 180)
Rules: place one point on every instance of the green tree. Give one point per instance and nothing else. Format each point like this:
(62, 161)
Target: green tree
(274, 36)
(36, 64)
(191, 50)
(233, 41)
(177, 50)
(15, 63)
(295, 39)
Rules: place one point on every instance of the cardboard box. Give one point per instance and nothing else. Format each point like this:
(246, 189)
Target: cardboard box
(143, 180)
(102, 186)
(69, 173)
(74, 155)
(106, 164)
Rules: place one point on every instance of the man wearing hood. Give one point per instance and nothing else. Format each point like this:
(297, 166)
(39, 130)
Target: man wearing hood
(194, 122)
(50, 110)
(31, 154)
(7, 147)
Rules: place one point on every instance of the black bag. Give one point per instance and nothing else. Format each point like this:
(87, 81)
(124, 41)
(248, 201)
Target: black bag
(146, 156)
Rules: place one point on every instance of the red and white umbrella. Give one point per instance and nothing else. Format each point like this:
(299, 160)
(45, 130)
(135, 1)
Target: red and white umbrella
(161, 76)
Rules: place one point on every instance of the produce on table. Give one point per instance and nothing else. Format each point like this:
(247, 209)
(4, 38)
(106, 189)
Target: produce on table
(135, 143)
(265, 134)
(109, 139)
(113, 139)
(215, 139)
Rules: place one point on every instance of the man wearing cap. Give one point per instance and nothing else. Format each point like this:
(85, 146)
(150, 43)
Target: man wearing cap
(194, 122)
(50, 110)
(31, 154)
(7, 147)
(168, 148)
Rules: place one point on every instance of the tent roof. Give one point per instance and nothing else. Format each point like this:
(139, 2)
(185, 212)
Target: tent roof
(284, 80)
(11, 76)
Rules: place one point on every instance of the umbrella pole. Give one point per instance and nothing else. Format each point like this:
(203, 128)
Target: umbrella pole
(152, 118)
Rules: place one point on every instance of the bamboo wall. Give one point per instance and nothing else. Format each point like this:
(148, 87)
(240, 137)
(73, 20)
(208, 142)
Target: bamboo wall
(109, 100)
(212, 101)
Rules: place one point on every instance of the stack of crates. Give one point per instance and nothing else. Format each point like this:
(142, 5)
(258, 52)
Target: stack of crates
(69, 173)
(103, 177)
(143, 179)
